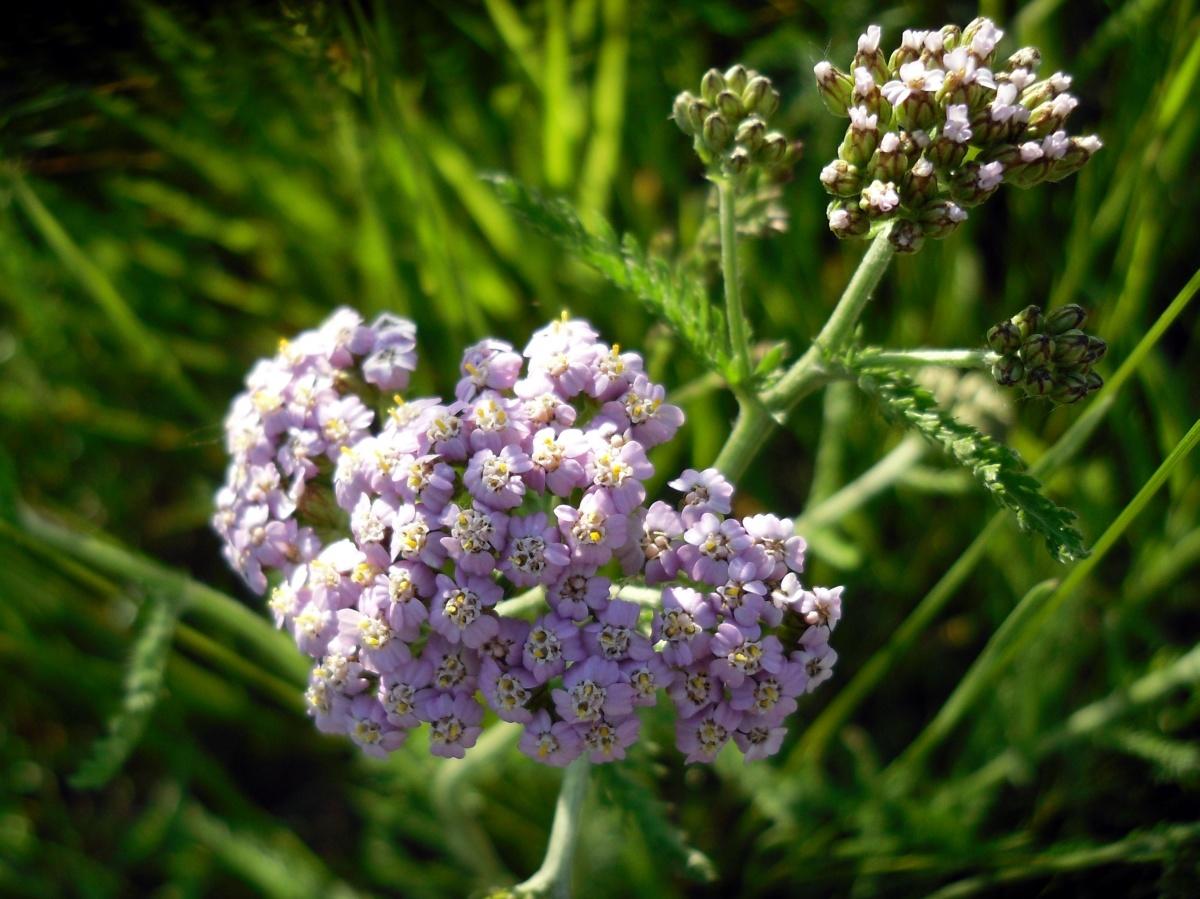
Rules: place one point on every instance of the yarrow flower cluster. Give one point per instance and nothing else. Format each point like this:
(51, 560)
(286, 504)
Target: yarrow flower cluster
(388, 542)
(938, 126)
(1048, 355)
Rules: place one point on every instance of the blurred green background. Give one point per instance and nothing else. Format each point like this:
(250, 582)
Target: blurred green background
(180, 189)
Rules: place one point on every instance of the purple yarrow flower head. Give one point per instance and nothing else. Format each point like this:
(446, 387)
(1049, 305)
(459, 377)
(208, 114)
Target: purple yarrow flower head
(370, 729)
(578, 592)
(646, 677)
(551, 643)
(615, 635)
(560, 334)
(684, 622)
(593, 689)
(822, 606)
(398, 691)
(494, 479)
(440, 430)
(770, 697)
(703, 491)
(492, 422)
(612, 371)
(605, 740)
(459, 611)
(620, 472)
(394, 355)
(758, 741)
(343, 422)
(743, 652)
(417, 536)
(374, 637)
(558, 461)
(550, 742)
(709, 545)
(644, 413)
(507, 645)
(475, 535)
(507, 690)
(454, 721)
(534, 553)
(488, 365)
(594, 529)
(694, 689)
(777, 538)
(816, 656)
(455, 666)
(705, 734)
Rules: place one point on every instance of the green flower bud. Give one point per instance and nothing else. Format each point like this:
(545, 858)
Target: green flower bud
(1039, 381)
(739, 160)
(1094, 381)
(1069, 388)
(1008, 371)
(679, 112)
(755, 92)
(941, 218)
(951, 37)
(729, 105)
(774, 151)
(947, 154)
(841, 178)
(1096, 350)
(1028, 321)
(769, 104)
(697, 112)
(1037, 350)
(1080, 150)
(920, 184)
(846, 220)
(712, 84)
(1004, 338)
(1070, 347)
(750, 133)
(1065, 318)
(736, 77)
(834, 86)
(717, 133)
(861, 137)
(906, 236)
(888, 162)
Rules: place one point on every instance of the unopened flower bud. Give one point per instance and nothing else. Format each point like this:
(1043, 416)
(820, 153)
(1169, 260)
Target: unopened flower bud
(847, 220)
(712, 84)
(1008, 371)
(730, 106)
(834, 86)
(1047, 89)
(841, 178)
(1004, 338)
(754, 93)
(736, 77)
(679, 112)
(861, 137)
(906, 236)
(1094, 381)
(1028, 321)
(1069, 387)
(1037, 350)
(750, 133)
(975, 182)
(717, 133)
(1070, 346)
(940, 218)
(888, 162)
(697, 112)
(951, 36)
(774, 150)
(1028, 58)
(1065, 318)
(739, 160)
(769, 104)
(1078, 151)
(1096, 350)
(1050, 116)
(1039, 381)
(920, 184)
(867, 93)
(869, 56)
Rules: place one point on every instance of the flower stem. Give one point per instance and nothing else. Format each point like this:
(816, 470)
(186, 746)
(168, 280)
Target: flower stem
(803, 376)
(750, 431)
(739, 330)
(941, 358)
(553, 878)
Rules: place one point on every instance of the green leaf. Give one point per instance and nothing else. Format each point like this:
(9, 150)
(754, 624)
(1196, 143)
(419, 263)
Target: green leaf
(672, 295)
(143, 683)
(997, 467)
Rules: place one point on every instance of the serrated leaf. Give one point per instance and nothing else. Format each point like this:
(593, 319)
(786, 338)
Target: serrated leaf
(997, 467)
(672, 295)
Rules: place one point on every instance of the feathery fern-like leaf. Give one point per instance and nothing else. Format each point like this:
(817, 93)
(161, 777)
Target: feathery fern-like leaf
(670, 294)
(996, 466)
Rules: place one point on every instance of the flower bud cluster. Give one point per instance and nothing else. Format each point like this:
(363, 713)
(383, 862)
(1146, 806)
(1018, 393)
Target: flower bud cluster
(730, 122)
(937, 126)
(389, 541)
(1047, 355)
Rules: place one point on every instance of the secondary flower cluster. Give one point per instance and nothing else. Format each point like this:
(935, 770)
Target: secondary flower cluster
(729, 121)
(389, 542)
(1047, 355)
(937, 127)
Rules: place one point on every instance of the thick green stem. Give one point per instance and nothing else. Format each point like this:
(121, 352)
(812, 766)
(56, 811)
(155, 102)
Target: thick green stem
(941, 358)
(553, 878)
(803, 376)
(750, 431)
(739, 330)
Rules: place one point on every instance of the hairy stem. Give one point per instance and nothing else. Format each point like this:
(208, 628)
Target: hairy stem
(553, 878)
(750, 431)
(739, 330)
(941, 358)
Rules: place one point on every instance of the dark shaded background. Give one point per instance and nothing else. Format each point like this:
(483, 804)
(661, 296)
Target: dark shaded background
(179, 187)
